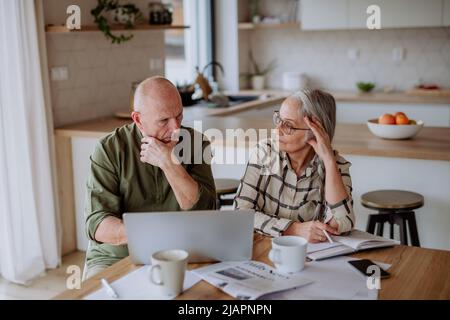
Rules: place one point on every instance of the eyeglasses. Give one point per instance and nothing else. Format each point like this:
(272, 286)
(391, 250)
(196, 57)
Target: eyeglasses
(285, 126)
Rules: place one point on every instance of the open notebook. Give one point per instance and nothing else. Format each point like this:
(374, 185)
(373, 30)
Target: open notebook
(356, 240)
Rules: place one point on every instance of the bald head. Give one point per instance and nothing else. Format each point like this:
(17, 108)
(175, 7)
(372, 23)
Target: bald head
(158, 110)
(155, 93)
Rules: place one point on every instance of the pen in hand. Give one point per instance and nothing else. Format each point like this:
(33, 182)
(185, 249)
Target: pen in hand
(328, 236)
(109, 290)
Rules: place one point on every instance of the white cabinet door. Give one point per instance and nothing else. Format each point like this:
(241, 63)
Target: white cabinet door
(357, 12)
(82, 149)
(324, 14)
(398, 13)
(446, 21)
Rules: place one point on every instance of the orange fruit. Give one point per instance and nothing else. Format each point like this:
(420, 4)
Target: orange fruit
(386, 119)
(401, 119)
(399, 113)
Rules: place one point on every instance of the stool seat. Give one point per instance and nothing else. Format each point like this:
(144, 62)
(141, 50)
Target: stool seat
(225, 187)
(396, 208)
(392, 199)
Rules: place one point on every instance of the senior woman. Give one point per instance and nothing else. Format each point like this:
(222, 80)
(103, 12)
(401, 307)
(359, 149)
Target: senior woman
(296, 183)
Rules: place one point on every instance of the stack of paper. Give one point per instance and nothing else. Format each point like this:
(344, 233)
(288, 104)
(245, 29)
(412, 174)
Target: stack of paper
(136, 286)
(331, 279)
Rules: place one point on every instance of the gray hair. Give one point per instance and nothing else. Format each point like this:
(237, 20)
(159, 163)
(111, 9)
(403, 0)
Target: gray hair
(319, 104)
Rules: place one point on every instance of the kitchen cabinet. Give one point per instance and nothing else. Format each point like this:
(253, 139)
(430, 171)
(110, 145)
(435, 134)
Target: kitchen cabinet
(431, 178)
(398, 13)
(427, 177)
(446, 13)
(82, 149)
(351, 14)
(324, 14)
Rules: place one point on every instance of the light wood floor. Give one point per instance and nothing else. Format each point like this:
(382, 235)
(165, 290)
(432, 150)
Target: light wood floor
(45, 287)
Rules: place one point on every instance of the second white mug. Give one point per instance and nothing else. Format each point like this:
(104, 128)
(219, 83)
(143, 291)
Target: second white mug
(288, 253)
(167, 271)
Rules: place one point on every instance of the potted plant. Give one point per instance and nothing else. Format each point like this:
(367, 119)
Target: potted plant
(186, 90)
(258, 75)
(254, 12)
(111, 10)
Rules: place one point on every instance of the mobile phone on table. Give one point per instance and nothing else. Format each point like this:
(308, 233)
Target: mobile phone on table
(363, 267)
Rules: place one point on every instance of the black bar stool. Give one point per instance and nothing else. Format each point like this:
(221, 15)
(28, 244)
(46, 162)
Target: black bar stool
(395, 207)
(225, 187)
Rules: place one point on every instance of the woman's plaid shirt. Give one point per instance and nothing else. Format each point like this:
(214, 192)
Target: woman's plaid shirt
(271, 188)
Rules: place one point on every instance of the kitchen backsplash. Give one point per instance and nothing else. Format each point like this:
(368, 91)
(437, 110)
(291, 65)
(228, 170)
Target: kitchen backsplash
(323, 56)
(100, 73)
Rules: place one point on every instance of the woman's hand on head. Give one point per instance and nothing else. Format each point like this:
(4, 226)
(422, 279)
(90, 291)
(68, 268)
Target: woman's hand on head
(321, 144)
(312, 231)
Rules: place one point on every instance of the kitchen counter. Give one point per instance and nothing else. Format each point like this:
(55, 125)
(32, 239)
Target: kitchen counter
(430, 144)
(270, 98)
(392, 97)
(421, 164)
(375, 97)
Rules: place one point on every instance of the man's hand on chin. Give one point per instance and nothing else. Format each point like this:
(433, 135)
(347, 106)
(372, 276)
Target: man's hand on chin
(157, 152)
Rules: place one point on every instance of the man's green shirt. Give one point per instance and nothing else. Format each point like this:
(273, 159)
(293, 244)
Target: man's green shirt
(119, 182)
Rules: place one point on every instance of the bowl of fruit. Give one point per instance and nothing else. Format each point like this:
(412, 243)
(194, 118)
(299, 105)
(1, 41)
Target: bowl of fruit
(397, 126)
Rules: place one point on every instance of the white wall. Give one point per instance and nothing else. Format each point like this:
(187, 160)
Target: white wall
(429, 178)
(322, 55)
(100, 73)
(226, 42)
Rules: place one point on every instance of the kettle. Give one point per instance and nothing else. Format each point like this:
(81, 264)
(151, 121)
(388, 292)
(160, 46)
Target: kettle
(201, 80)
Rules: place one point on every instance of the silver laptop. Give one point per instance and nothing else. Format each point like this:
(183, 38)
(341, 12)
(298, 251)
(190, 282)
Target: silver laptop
(206, 235)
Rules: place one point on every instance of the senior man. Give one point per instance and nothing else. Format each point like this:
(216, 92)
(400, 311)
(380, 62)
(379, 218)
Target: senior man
(133, 170)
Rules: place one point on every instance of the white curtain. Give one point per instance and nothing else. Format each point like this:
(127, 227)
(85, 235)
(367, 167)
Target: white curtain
(28, 222)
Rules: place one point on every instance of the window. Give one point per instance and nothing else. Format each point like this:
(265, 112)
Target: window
(188, 48)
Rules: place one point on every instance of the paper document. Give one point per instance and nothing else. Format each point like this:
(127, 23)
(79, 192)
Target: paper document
(356, 240)
(248, 280)
(331, 279)
(136, 286)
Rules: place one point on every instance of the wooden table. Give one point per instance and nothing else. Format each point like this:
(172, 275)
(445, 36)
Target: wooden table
(416, 273)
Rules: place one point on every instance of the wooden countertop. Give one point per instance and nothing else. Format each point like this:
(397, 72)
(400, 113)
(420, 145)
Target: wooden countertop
(375, 97)
(392, 97)
(430, 144)
(410, 270)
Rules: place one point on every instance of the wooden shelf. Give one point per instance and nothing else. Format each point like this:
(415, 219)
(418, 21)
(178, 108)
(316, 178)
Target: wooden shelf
(93, 28)
(252, 26)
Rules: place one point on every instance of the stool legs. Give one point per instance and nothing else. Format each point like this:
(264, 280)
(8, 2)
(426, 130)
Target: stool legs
(413, 234)
(380, 228)
(391, 229)
(371, 223)
(223, 202)
(377, 221)
(401, 222)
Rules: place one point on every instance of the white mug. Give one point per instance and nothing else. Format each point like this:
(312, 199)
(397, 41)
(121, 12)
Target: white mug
(288, 253)
(167, 271)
